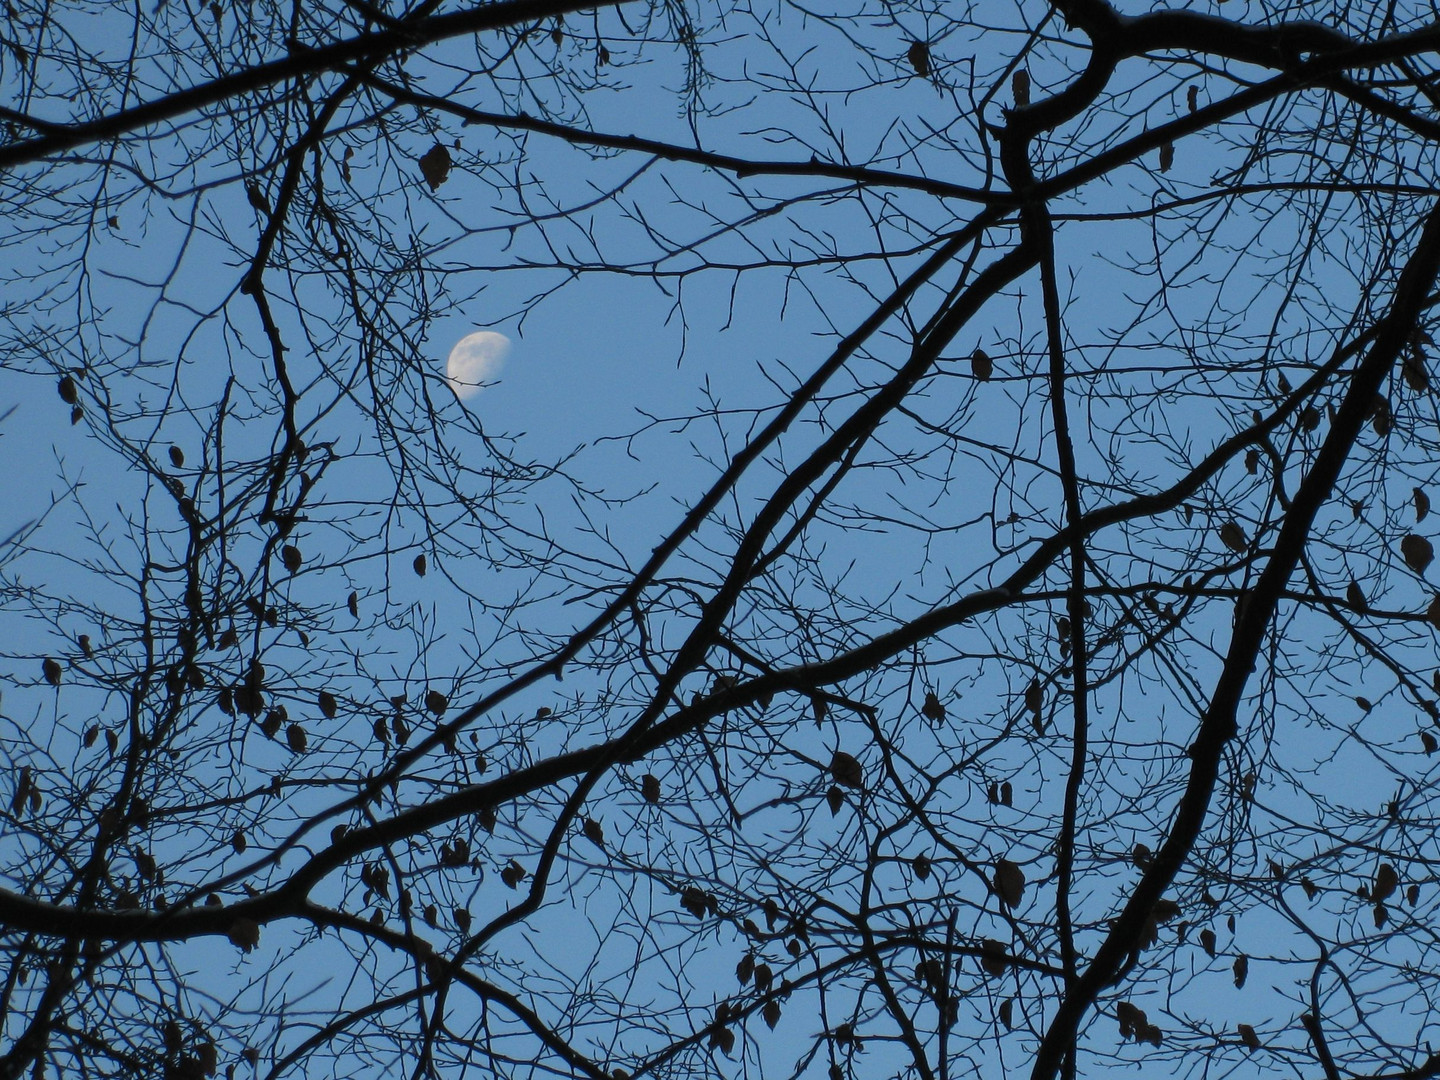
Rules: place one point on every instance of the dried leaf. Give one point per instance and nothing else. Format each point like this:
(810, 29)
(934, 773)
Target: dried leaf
(650, 788)
(1192, 98)
(594, 832)
(177, 457)
(1233, 537)
(1248, 1036)
(1417, 552)
(69, 392)
(992, 957)
(845, 768)
(1020, 87)
(353, 603)
(1428, 742)
(1413, 370)
(1422, 504)
(1009, 883)
(1386, 881)
(981, 366)
(1207, 941)
(328, 705)
(435, 166)
(436, 702)
(513, 874)
(51, 670)
(419, 564)
(1167, 157)
(295, 737)
(921, 865)
(932, 710)
(835, 798)
(244, 934)
(1354, 596)
(1007, 1013)
(290, 556)
(919, 56)
(771, 1013)
(1241, 970)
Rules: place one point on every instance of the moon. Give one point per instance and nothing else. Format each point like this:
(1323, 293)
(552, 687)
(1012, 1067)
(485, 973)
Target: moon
(474, 361)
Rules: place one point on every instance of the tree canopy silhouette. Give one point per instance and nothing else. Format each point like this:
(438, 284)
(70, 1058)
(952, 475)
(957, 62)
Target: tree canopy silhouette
(941, 586)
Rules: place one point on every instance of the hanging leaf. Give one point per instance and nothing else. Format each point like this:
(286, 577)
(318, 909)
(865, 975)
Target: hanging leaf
(594, 832)
(1020, 87)
(177, 457)
(51, 670)
(1248, 1036)
(419, 564)
(694, 901)
(1207, 941)
(69, 393)
(1009, 883)
(845, 768)
(1417, 552)
(513, 874)
(764, 978)
(919, 56)
(835, 798)
(771, 1013)
(1354, 596)
(1413, 370)
(1007, 793)
(295, 737)
(353, 603)
(745, 968)
(1233, 537)
(1192, 98)
(1252, 461)
(1432, 613)
(1422, 504)
(1380, 417)
(650, 788)
(1007, 1013)
(1167, 156)
(1428, 742)
(328, 705)
(290, 556)
(981, 365)
(244, 934)
(1241, 970)
(238, 842)
(921, 865)
(435, 166)
(1386, 881)
(932, 710)
(1311, 889)
(992, 957)
(436, 702)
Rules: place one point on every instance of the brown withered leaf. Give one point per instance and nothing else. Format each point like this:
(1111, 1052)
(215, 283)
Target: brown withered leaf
(981, 366)
(919, 57)
(845, 768)
(435, 166)
(932, 710)
(1233, 537)
(1020, 87)
(1417, 552)
(1009, 883)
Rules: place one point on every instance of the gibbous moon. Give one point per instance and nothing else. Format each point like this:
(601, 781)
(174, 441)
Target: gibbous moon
(475, 359)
